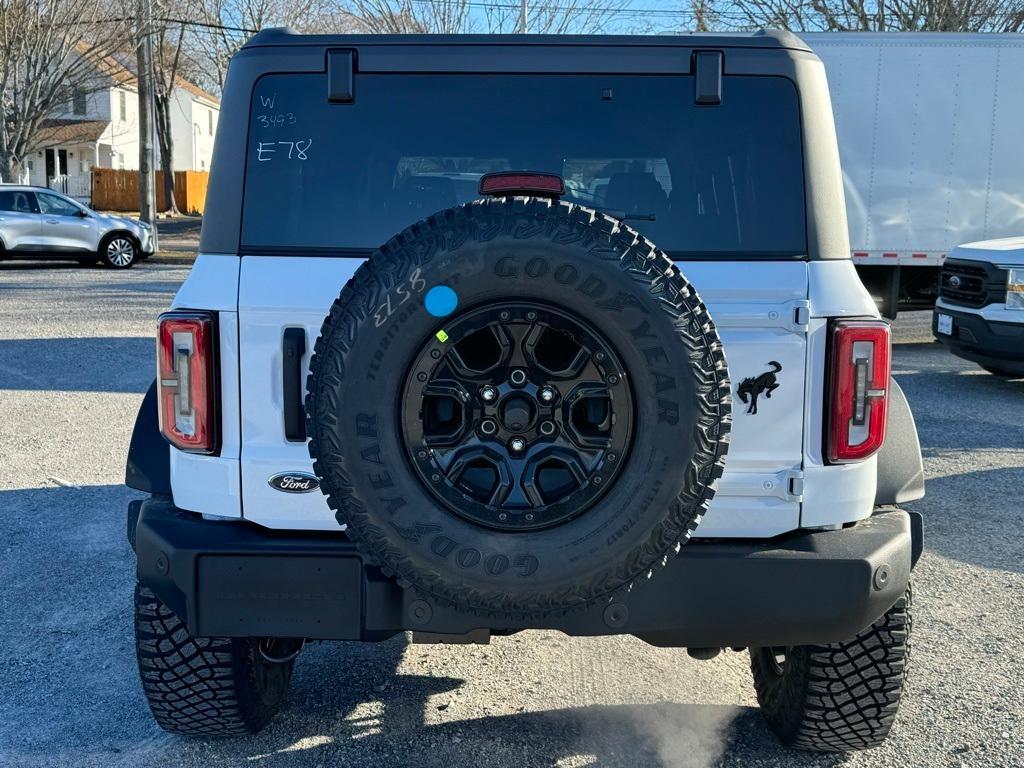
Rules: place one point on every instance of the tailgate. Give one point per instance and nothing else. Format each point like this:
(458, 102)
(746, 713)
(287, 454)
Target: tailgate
(761, 312)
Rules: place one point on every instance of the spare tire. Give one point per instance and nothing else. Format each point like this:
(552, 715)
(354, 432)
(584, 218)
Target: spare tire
(518, 406)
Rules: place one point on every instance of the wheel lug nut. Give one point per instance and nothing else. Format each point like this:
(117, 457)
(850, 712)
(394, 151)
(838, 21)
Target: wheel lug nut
(546, 394)
(547, 428)
(488, 393)
(488, 427)
(518, 377)
(517, 444)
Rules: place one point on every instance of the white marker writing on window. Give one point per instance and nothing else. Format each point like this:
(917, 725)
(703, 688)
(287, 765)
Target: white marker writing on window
(297, 150)
(264, 150)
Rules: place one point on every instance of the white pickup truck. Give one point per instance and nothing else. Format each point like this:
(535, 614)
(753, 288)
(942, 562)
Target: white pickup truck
(980, 311)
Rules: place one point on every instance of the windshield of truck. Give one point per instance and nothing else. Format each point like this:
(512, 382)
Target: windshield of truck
(697, 180)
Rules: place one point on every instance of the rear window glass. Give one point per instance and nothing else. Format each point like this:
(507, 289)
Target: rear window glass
(696, 180)
(17, 201)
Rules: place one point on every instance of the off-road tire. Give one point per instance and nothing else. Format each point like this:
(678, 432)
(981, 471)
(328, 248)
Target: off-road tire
(838, 697)
(203, 686)
(373, 331)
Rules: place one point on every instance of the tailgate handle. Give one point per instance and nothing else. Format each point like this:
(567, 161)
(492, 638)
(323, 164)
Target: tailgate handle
(293, 347)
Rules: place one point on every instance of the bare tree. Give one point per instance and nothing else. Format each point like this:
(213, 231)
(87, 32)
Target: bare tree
(880, 15)
(558, 17)
(48, 50)
(555, 17)
(230, 22)
(409, 16)
(168, 40)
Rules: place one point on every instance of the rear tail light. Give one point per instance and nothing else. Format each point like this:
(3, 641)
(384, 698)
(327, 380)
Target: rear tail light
(860, 353)
(186, 379)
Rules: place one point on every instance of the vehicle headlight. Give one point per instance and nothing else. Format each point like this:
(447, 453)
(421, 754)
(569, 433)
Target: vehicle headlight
(1015, 289)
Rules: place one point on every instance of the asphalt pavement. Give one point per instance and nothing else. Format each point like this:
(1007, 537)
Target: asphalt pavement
(76, 355)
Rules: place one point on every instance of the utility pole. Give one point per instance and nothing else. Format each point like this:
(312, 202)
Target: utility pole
(524, 16)
(147, 117)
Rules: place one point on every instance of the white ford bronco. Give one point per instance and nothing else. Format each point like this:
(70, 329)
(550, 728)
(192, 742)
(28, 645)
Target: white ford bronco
(489, 334)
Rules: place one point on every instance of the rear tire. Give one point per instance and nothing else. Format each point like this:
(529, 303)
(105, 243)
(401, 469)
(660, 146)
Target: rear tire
(119, 251)
(203, 686)
(838, 697)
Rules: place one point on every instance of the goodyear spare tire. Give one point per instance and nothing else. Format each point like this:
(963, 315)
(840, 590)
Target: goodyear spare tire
(518, 406)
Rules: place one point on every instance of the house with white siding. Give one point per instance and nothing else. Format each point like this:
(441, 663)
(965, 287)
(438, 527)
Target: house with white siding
(98, 126)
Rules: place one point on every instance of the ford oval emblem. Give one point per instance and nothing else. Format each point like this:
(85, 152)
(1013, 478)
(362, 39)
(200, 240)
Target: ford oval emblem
(294, 482)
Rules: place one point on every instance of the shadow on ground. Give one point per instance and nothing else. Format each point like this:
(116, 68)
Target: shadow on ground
(976, 409)
(965, 517)
(83, 364)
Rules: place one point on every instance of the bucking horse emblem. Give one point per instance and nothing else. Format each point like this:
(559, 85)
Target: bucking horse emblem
(752, 386)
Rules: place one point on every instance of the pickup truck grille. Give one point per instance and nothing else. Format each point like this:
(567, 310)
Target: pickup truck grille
(972, 283)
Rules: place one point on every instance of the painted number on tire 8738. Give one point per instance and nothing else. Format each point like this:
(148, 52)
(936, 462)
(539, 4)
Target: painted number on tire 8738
(396, 298)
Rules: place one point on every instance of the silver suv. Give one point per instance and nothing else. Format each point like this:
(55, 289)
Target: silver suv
(38, 223)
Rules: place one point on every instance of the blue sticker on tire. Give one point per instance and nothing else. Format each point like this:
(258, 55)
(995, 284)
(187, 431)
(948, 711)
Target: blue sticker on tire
(441, 301)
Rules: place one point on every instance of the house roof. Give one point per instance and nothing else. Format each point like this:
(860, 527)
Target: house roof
(196, 91)
(54, 131)
(112, 65)
(121, 67)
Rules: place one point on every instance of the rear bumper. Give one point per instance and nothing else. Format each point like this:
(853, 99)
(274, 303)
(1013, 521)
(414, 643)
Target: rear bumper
(231, 579)
(999, 345)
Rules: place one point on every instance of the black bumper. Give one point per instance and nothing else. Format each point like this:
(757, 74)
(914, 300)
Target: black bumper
(997, 345)
(235, 579)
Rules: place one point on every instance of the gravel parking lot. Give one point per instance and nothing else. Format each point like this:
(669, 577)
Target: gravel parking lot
(76, 355)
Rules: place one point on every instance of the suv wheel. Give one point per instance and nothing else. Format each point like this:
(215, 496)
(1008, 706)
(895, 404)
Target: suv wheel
(206, 686)
(119, 251)
(838, 697)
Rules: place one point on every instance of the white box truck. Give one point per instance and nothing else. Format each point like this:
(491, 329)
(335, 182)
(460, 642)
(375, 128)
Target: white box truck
(930, 128)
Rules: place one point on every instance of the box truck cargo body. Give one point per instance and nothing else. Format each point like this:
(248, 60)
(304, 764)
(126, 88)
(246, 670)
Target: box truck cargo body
(930, 130)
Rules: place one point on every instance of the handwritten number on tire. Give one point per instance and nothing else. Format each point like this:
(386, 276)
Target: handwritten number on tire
(415, 284)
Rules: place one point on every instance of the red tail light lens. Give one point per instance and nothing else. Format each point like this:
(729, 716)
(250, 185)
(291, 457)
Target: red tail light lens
(861, 354)
(186, 380)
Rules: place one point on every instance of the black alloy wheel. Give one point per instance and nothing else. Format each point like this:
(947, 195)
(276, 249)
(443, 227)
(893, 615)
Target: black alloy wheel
(517, 415)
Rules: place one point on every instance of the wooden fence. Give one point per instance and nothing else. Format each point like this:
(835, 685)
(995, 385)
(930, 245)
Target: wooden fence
(118, 190)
